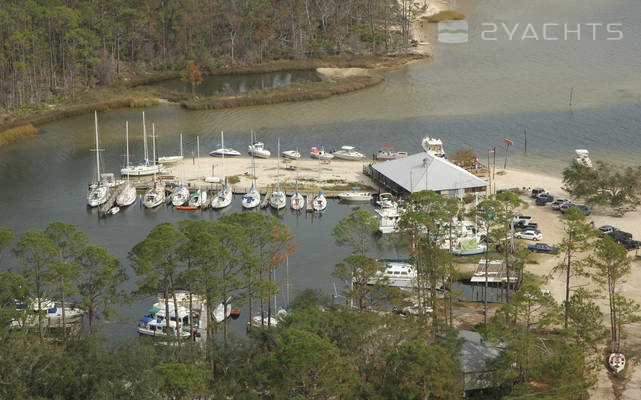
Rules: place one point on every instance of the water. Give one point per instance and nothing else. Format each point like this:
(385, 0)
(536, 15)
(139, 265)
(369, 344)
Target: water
(234, 84)
(471, 95)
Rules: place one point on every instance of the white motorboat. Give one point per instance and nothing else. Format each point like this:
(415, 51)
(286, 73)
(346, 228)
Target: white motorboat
(320, 202)
(143, 168)
(257, 149)
(169, 159)
(155, 196)
(278, 200)
(433, 146)
(259, 321)
(291, 154)
(180, 196)
(396, 274)
(225, 196)
(51, 319)
(198, 198)
(355, 197)
(222, 311)
(223, 152)
(388, 218)
(320, 153)
(616, 361)
(98, 192)
(251, 199)
(348, 153)
(154, 323)
(386, 200)
(109, 179)
(386, 153)
(583, 158)
(466, 245)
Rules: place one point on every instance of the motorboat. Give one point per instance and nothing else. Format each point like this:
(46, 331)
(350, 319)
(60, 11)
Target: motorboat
(169, 159)
(320, 202)
(251, 199)
(155, 196)
(386, 153)
(465, 246)
(388, 218)
(224, 152)
(278, 200)
(320, 153)
(260, 321)
(433, 146)
(348, 153)
(180, 196)
(198, 198)
(355, 197)
(616, 362)
(257, 149)
(396, 274)
(145, 167)
(583, 158)
(291, 154)
(222, 311)
(386, 200)
(51, 319)
(98, 192)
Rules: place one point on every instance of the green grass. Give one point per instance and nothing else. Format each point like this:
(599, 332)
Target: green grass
(145, 102)
(232, 180)
(446, 15)
(17, 133)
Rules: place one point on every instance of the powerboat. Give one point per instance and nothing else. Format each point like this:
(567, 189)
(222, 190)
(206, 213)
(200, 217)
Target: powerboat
(291, 154)
(583, 158)
(251, 199)
(180, 196)
(396, 274)
(386, 200)
(257, 149)
(355, 197)
(388, 218)
(433, 146)
(155, 323)
(320, 202)
(98, 192)
(320, 153)
(169, 159)
(465, 246)
(143, 168)
(348, 153)
(222, 311)
(386, 153)
(154, 197)
(52, 318)
(223, 152)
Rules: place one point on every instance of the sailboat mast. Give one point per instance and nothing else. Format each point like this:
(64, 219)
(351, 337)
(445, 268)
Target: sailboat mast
(144, 139)
(127, 140)
(278, 165)
(198, 147)
(95, 115)
(153, 137)
(222, 146)
(287, 276)
(251, 139)
(182, 162)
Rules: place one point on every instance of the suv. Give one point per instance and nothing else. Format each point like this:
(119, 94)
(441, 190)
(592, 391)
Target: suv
(556, 204)
(536, 192)
(542, 248)
(525, 225)
(586, 211)
(530, 234)
(543, 199)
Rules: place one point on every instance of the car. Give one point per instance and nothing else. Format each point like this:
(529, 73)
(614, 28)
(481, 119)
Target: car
(585, 209)
(564, 207)
(543, 199)
(542, 248)
(606, 229)
(556, 204)
(618, 235)
(521, 219)
(530, 234)
(536, 192)
(629, 244)
(523, 226)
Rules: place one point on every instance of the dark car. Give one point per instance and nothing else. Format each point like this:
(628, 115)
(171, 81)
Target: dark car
(542, 248)
(619, 235)
(606, 229)
(629, 244)
(543, 199)
(526, 225)
(536, 192)
(585, 209)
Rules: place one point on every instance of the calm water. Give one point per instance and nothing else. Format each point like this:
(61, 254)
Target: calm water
(233, 84)
(471, 95)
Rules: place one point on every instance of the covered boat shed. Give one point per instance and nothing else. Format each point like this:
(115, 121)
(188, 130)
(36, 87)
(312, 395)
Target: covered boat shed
(424, 171)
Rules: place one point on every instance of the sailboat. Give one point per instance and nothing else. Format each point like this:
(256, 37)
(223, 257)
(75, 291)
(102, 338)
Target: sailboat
(320, 202)
(297, 200)
(144, 167)
(198, 199)
(251, 199)
(98, 193)
(155, 196)
(128, 194)
(224, 197)
(278, 199)
(180, 195)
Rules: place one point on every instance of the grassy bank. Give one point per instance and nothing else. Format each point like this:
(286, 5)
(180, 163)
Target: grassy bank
(17, 133)
(447, 15)
(289, 93)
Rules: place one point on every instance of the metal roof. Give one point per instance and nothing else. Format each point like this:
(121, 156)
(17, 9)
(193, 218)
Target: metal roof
(441, 174)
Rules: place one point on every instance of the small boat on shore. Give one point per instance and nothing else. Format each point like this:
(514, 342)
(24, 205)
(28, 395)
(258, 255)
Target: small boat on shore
(465, 246)
(386, 153)
(616, 362)
(257, 149)
(355, 197)
(348, 153)
(224, 152)
(291, 154)
(320, 153)
(169, 159)
(433, 146)
(583, 158)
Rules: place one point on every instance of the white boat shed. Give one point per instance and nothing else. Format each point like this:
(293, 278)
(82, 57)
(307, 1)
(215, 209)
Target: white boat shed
(424, 171)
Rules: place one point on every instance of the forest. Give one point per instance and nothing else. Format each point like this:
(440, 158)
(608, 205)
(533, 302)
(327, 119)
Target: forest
(50, 49)
(358, 347)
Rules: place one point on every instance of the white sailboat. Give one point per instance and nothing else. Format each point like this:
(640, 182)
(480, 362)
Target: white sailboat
(320, 202)
(144, 167)
(128, 195)
(225, 196)
(181, 194)
(199, 197)
(278, 200)
(251, 199)
(297, 200)
(154, 196)
(98, 193)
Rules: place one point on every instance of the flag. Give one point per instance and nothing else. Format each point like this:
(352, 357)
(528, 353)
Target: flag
(508, 142)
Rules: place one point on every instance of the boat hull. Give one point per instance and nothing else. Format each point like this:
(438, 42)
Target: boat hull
(291, 154)
(297, 202)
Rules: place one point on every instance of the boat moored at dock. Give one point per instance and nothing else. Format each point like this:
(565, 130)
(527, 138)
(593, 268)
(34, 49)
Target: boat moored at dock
(433, 146)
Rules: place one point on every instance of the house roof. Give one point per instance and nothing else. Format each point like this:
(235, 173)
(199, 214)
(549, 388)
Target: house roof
(441, 174)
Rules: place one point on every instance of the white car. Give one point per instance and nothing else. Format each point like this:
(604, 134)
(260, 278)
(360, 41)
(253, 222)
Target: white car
(529, 235)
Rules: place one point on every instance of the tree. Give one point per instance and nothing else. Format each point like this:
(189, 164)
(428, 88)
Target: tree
(156, 262)
(604, 185)
(509, 202)
(69, 243)
(356, 230)
(181, 381)
(192, 75)
(98, 279)
(611, 264)
(6, 237)
(13, 288)
(38, 254)
(576, 241)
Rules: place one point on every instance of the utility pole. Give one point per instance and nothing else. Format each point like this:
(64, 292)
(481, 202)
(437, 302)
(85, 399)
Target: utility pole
(571, 96)
(525, 135)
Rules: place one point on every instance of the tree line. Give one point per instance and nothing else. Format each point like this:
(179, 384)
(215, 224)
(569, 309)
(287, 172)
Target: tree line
(49, 49)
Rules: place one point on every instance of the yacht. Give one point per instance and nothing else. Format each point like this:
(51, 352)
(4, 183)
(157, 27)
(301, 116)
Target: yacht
(143, 168)
(396, 274)
(155, 322)
(386, 200)
(388, 218)
(433, 146)
(52, 318)
(386, 153)
(291, 154)
(355, 197)
(583, 158)
(320, 153)
(348, 153)
(98, 191)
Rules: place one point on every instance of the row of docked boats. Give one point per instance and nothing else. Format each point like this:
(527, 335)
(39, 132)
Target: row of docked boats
(257, 149)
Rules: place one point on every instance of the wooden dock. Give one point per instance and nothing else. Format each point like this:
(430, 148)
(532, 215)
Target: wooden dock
(111, 200)
(265, 202)
(308, 204)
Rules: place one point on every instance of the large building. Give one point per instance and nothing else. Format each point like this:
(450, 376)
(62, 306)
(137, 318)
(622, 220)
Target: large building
(424, 171)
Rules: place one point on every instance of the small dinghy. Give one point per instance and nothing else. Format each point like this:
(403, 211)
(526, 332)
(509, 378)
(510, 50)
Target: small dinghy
(113, 210)
(616, 361)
